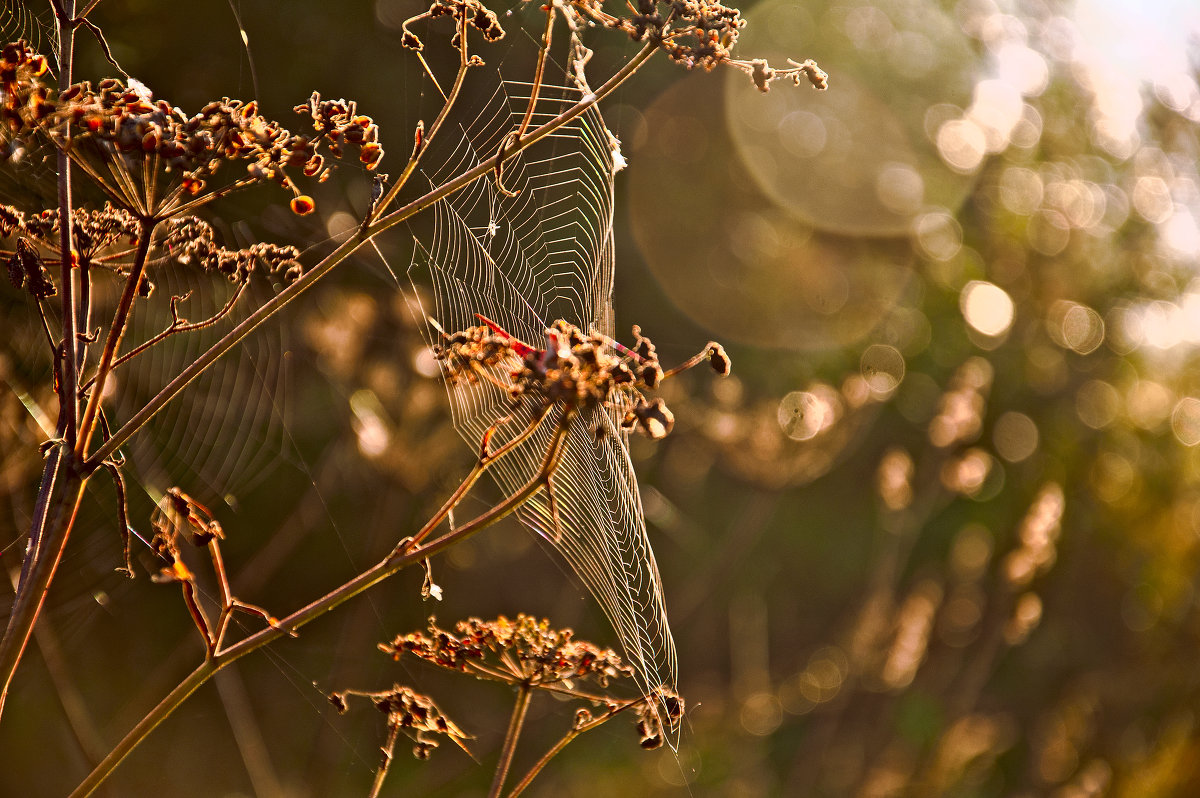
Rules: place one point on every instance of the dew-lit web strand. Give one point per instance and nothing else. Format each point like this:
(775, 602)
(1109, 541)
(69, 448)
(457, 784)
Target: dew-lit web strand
(600, 512)
(19, 21)
(227, 431)
(593, 576)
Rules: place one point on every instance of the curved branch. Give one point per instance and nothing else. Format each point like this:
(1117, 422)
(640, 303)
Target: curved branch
(177, 325)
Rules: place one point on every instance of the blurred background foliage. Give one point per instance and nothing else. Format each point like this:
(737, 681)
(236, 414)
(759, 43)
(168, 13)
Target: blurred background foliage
(938, 535)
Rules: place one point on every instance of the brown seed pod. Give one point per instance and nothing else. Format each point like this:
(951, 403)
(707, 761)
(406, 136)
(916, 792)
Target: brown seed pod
(302, 205)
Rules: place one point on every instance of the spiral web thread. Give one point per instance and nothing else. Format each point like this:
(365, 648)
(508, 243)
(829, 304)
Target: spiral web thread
(227, 431)
(31, 20)
(524, 262)
(29, 174)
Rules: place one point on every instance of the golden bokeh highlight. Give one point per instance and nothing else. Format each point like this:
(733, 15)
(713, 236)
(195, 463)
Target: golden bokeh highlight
(987, 308)
(1015, 436)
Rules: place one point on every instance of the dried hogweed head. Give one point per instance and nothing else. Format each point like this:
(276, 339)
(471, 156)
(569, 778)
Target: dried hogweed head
(524, 650)
(476, 14)
(410, 713)
(190, 242)
(25, 270)
(24, 99)
(696, 33)
(576, 370)
(527, 651)
(120, 125)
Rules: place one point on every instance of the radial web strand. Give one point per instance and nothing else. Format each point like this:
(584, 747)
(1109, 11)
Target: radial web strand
(524, 261)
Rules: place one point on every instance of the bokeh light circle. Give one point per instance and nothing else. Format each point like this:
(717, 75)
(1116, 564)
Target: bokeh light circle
(1015, 436)
(987, 308)
(1185, 421)
(802, 415)
(883, 368)
(857, 159)
(734, 260)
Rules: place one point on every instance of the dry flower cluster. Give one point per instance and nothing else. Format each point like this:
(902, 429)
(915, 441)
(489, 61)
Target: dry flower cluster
(575, 370)
(522, 650)
(114, 129)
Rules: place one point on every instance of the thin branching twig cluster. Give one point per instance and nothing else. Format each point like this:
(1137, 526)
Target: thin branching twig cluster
(155, 167)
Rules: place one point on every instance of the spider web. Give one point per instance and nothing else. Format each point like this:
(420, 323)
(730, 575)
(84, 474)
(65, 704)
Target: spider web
(226, 432)
(31, 20)
(29, 174)
(523, 262)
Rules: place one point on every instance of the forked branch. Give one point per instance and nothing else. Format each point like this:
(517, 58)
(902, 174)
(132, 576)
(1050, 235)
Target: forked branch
(389, 566)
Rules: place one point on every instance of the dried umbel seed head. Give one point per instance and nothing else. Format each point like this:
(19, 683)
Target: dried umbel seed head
(22, 95)
(190, 242)
(576, 370)
(695, 33)
(471, 12)
(524, 650)
(409, 712)
(121, 126)
(25, 270)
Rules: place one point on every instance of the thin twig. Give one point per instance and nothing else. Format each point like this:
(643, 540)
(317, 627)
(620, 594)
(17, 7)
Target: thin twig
(122, 515)
(575, 730)
(514, 137)
(486, 459)
(538, 73)
(515, 724)
(388, 748)
(464, 64)
(46, 327)
(167, 210)
(83, 315)
(177, 325)
(116, 332)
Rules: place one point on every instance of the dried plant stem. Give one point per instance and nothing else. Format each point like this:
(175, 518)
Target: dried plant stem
(557, 748)
(539, 72)
(286, 626)
(177, 325)
(486, 459)
(47, 543)
(389, 748)
(464, 64)
(54, 514)
(515, 723)
(69, 376)
(116, 332)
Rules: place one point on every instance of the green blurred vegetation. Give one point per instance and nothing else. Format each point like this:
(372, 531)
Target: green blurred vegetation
(938, 535)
